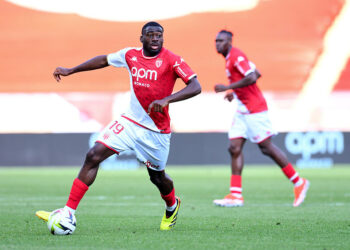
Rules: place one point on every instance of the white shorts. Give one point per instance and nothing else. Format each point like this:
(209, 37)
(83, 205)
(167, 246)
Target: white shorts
(256, 127)
(151, 148)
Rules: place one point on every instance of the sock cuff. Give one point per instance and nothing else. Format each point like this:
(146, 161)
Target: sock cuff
(169, 199)
(289, 165)
(172, 193)
(290, 173)
(76, 193)
(81, 185)
(289, 170)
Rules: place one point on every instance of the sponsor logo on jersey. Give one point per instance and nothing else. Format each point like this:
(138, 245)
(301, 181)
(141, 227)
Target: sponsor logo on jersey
(159, 62)
(142, 84)
(142, 73)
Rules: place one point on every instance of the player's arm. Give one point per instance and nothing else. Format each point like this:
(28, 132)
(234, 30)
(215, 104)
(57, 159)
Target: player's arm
(245, 81)
(97, 62)
(193, 88)
(258, 74)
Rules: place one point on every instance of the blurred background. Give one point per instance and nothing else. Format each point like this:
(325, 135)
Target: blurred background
(302, 49)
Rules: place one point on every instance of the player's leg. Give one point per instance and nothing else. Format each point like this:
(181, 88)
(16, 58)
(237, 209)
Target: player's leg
(152, 149)
(237, 160)
(260, 131)
(301, 185)
(237, 163)
(234, 198)
(113, 139)
(161, 180)
(165, 186)
(85, 178)
(237, 136)
(268, 148)
(87, 174)
(94, 157)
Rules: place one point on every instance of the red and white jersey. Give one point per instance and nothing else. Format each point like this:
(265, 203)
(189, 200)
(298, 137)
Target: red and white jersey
(250, 99)
(151, 78)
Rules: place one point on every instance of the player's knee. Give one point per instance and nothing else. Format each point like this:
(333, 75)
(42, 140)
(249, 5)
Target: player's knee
(265, 150)
(234, 150)
(92, 158)
(156, 180)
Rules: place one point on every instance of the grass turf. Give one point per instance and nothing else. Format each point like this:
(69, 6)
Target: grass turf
(122, 210)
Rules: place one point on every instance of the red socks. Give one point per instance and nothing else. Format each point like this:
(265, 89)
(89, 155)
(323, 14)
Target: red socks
(77, 192)
(79, 189)
(169, 198)
(290, 173)
(236, 185)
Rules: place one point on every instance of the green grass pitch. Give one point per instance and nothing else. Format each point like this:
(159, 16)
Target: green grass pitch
(122, 210)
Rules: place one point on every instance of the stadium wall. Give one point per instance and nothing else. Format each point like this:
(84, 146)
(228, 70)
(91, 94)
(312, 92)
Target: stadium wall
(310, 149)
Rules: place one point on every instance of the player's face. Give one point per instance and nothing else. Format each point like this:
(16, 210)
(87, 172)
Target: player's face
(223, 43)
(152, 40)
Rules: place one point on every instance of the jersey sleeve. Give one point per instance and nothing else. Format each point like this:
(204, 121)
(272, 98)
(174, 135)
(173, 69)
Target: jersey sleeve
(117, 59)
(182, 69)
(242, 64)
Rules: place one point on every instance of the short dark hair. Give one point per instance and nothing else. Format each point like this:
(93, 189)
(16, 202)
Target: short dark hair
(227, 32)
(151, 24)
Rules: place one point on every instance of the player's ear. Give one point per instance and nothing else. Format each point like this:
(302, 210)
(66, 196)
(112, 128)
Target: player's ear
(141, 38)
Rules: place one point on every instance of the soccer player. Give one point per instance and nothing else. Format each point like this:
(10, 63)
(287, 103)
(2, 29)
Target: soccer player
(145, 126)
(250, 122)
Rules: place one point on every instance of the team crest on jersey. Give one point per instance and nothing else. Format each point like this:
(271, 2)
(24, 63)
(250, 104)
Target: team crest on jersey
(159, 62)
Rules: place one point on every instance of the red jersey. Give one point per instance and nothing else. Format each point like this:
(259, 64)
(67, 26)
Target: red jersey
(151, 78)
(250, 99)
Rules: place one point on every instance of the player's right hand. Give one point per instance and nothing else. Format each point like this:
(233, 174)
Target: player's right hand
(157, 106)
(220, 88)
(229, 96)
(60, 71)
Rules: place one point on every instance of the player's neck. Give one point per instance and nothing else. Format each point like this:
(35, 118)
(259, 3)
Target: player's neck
(225, 54)
(147, 53)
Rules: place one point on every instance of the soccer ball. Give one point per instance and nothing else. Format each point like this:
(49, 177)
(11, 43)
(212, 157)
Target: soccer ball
(61, 222)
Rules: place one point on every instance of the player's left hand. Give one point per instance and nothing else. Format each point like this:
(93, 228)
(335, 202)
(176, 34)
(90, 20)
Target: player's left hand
(157, 106)
(229, 96)
(220, 88)
(61, 71)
